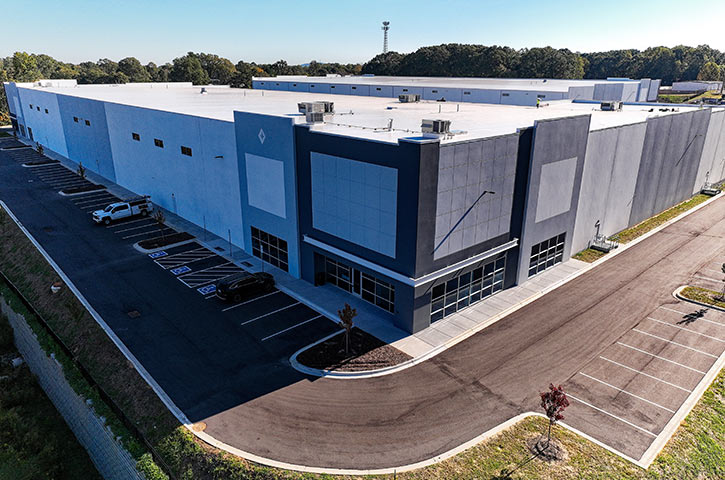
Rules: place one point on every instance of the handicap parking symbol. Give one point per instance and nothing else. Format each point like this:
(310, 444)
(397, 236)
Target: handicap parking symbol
(158, 254)
(180, 270)
(207, 290)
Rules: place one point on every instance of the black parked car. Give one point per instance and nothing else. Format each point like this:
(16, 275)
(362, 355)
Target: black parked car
(241, 285)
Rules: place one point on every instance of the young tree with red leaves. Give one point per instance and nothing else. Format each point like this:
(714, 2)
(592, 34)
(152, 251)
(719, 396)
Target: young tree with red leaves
(553, 402)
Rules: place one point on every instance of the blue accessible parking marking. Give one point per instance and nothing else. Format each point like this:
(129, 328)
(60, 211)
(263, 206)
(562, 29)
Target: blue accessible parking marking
(180, 270)
(158, 254)
(207, 290)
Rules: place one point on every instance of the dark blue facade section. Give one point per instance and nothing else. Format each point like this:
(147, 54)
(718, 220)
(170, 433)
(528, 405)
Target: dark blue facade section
(90, 146)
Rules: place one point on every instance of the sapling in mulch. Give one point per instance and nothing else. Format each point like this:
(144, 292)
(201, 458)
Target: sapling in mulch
(160, 219)
(81, 170)
(722, 293)
(39, 148)
(347, 314)
(554, 402)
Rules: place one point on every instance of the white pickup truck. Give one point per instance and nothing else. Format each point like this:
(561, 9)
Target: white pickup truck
(129, 208)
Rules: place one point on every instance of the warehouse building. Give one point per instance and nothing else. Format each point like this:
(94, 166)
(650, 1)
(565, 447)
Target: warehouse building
(420, 208)
(505, 91)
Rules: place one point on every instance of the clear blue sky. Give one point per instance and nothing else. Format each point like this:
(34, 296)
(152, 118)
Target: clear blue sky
(343, 30)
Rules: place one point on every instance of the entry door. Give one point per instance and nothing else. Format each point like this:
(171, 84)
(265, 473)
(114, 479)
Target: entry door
(356, 281)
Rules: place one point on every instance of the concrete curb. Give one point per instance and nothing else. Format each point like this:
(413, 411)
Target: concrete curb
(677, 295)
(469, 333)
(55, 162)
(81, 193)
(152, 250)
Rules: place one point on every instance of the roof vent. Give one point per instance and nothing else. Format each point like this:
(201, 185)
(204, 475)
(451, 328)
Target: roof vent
(409, 98)
(436, 127)
(613, 106)
(203, 91)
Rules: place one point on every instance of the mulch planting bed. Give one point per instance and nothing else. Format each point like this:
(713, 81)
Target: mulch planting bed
(164, 241)
(366, 353)
(84, 188)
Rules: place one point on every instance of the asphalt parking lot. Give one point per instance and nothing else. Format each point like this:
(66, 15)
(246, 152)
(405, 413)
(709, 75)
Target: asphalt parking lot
(629, 392)
(265, 316)
(207, 354)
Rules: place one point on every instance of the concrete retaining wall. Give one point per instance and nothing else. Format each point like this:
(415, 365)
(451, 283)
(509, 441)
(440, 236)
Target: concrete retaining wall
(109, 456)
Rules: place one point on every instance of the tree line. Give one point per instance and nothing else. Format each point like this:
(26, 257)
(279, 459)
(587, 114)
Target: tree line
(448, 60)
(460, 60)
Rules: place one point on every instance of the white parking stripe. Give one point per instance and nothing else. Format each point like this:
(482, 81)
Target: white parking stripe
(625, 391)
(134, 228)
(290, 328)
(612, 415)
(250, 301)
(674, 343)
(270, 313)
(701, 319)
(687, 330)
(715, 280)
(144, 233)
(93, 198)
(640, 372)
(121, 224)
(661, 358)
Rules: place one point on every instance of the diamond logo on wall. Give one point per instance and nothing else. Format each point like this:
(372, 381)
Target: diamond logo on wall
(261, 136)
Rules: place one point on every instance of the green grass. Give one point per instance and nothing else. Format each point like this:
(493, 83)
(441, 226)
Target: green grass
(651, 223)
(35, 441)
(703, 295)
(589, 255)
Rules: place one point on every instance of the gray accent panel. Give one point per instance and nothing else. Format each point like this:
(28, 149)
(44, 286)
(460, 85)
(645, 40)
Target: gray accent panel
(464, 218)
(670, 161)
(608, 182)
(557, 184)
(712, 153)
(554, 140)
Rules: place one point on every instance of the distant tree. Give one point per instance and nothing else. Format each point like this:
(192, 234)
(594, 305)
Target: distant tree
(220, 70)
(710, 71)
(245, 72)
(553, 402)
(548, 62)
(383, 64)
(25, 68)
(347, 314)
(188, 69)
(89, 72)
(133, 70)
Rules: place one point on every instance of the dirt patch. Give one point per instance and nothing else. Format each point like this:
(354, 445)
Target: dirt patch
(84, 188)
(549, 451)
(158, 242)
(366, 353)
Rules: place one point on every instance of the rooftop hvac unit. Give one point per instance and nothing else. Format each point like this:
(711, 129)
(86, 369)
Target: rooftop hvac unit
(439, 127)
(613, 106)
(315, 117)
(409, 98)
(319, 106)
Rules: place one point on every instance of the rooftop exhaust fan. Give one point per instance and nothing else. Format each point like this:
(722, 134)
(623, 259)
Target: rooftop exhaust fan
(409, 98)
(613, 106)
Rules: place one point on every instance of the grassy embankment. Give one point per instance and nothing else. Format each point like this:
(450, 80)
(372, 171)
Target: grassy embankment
(625, 236)
(35, 441)
(695, 452)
